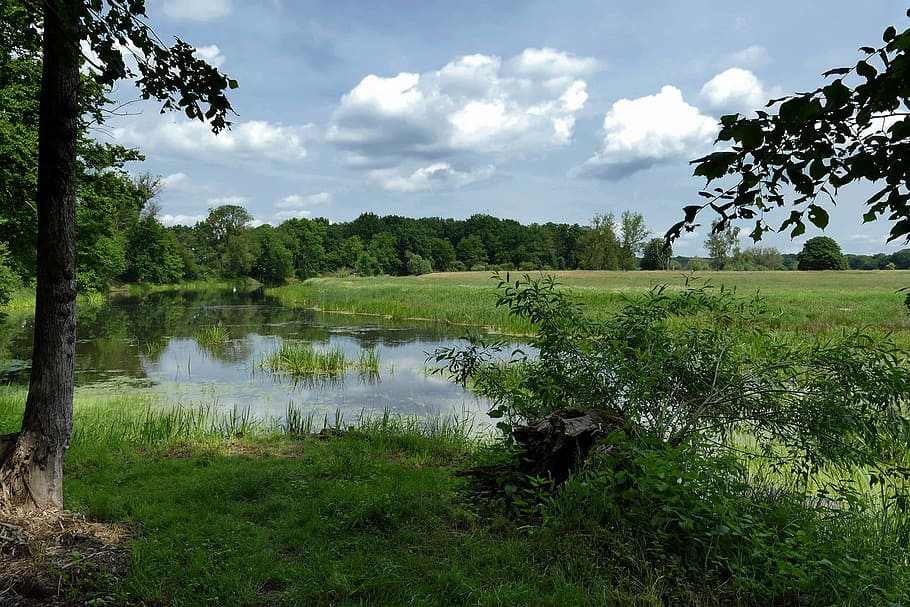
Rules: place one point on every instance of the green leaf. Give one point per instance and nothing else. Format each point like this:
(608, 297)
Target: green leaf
(818, 216)
(865, 70)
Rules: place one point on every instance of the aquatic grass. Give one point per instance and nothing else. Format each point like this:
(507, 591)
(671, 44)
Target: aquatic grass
(302, 360)
(212, 336)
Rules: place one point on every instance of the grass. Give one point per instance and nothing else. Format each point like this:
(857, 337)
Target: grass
(797, 302)
(229, 510)
(301, 359)
(212, 336)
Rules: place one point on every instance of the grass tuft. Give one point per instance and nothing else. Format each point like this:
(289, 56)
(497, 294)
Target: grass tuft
(302, 360)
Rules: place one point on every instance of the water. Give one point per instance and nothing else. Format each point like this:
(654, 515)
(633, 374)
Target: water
(148, 343)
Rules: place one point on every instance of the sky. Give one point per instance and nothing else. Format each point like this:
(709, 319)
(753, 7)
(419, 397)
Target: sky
(530, 110)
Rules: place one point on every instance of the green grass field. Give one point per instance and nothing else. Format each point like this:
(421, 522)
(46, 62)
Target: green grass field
(797, 302)
(229, 510)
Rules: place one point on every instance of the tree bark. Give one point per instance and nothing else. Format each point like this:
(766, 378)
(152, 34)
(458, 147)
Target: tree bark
(31, 474)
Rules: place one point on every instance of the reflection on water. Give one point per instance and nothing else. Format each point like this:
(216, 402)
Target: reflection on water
(149, 341)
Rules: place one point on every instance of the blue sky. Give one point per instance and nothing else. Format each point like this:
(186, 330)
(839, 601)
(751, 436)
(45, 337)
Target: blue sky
(537, 111)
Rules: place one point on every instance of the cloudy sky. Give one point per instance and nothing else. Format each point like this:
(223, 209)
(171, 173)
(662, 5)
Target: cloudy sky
(533, 110)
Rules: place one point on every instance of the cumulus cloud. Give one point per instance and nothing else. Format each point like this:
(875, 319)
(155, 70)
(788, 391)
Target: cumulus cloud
(175, 181)
(197, 10)
(183, 220)
(550, 63)
(211, 54)
(247, 141)
(296, 201)
(439, 175)
(640, 133)
(474, 105)
(734, 90)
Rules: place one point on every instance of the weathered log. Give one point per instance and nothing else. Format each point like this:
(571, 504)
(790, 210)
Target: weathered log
(556, 445)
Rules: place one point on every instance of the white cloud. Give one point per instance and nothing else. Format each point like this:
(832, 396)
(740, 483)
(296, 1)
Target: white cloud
(175, 181)
(296, 201)
(246, 141)
(734, 90)
(232, 200)
(436, 176)
(197, 10)
(211, 54)
(475, 104)
(752, 56)
(551, 63)
(184, 220)
(656, 129)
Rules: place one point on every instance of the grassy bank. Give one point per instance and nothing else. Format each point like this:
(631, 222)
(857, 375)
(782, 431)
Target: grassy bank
(796, 301)
(226, 511)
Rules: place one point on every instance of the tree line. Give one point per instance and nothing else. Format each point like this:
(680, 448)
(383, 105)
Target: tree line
(121, 239)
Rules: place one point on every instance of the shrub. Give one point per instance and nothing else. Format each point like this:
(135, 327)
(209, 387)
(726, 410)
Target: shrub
(719, 431)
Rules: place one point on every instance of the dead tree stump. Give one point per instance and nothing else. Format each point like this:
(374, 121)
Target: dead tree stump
(556, 445)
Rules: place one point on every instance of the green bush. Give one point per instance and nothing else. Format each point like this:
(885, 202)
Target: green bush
(733, 454)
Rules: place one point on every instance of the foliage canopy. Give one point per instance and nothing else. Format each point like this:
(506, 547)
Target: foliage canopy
(856, 128)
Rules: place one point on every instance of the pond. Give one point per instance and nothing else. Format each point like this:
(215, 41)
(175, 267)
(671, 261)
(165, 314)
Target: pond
(153, 342)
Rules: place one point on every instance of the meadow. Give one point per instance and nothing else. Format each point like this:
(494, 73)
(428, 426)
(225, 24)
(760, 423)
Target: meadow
(796, 302)
(227, 509)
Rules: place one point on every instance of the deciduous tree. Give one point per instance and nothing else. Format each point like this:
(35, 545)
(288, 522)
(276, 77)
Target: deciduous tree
(31, 461)
(821, 253)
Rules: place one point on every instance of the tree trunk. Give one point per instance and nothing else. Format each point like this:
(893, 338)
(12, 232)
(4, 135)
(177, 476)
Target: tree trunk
(31, 473)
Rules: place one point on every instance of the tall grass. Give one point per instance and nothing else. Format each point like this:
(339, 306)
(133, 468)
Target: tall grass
(301, 360)
(212, 336)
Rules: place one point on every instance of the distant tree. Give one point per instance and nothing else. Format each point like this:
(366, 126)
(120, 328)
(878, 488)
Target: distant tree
(633, 233)
(274, 261)
(722, 245)
(471, 251)
(351, 250)
(821, 253)
(383, 248)
(697, 264)
(367, 265)
(443, 253)
(901, 259)
(600, 245)
(762, 258)
(153, 253)
(305, 240)
(656, 255)
(225, 233)
(417, 265)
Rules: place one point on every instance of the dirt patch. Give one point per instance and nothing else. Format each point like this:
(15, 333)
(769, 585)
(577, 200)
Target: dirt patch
(58, 558)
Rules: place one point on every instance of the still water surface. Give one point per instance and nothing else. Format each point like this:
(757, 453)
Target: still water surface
(148, 342)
